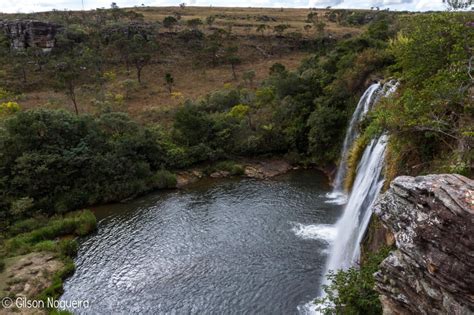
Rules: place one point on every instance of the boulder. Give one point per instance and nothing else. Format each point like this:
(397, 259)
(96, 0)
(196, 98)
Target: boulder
(432, 221)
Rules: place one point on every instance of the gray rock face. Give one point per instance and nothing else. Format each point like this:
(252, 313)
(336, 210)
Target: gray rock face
(432, 269)
(30, 33)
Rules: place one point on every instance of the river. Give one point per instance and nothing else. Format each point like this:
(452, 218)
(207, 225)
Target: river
(228, 246)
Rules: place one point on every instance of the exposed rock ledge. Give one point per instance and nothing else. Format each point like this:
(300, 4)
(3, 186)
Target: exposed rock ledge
(263, 169)
(431, 271)
(30, 33)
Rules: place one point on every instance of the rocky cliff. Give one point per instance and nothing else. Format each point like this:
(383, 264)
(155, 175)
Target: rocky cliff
(432, 221)
(30, 33)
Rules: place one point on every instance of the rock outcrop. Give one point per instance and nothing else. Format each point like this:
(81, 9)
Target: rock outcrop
(431, 271)
(30, 33)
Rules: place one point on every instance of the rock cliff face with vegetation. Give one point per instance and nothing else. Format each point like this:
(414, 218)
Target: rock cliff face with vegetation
(24, 34)
(432, 220)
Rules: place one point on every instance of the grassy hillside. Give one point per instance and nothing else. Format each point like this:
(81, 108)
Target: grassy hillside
(252, 30)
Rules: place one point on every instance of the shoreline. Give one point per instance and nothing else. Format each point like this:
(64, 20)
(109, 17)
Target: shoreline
(262, 169)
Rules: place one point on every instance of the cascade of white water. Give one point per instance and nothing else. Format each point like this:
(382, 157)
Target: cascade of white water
(350, 228)
(367, 184)
(364, 105)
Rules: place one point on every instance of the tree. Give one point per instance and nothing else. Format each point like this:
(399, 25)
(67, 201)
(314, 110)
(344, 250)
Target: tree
(71, 72)
(261, 29)
(312, 17)
(210, 20)
(194, 23)
(233, 59)
(280, 29)
(277, 69)
(182, 6)
(169, 81)
(39, 57)
(141, 53)
(458, 4)
(249, 76)
(20, 63)
(320, 26)
(70, 75)
(169, 22)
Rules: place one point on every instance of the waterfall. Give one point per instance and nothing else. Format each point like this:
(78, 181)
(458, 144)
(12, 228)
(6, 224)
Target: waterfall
(350, 228)
(364, 105)
(367, 185)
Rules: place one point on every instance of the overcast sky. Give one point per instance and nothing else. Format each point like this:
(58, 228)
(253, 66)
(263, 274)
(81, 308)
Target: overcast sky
(27, 6)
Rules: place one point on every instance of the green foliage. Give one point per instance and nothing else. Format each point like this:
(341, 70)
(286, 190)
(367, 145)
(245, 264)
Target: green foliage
(194, 23)
(352, 291)
(169, 81)
(432, 111)
(228, 166)
(26, 225)
(8, 108)
(68, 247)
(239, 111)
(164, 179)
(192, 125)
(63, 162)
(42, 238)
(170, 22)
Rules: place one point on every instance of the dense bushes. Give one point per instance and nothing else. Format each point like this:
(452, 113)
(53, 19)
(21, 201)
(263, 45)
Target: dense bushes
(54, 161)
(431, 118)
(352, 291)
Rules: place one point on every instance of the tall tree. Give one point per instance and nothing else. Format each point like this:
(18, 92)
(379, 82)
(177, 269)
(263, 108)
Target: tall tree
(141, 53)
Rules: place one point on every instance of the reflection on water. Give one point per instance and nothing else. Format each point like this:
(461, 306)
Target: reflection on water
(216, 247)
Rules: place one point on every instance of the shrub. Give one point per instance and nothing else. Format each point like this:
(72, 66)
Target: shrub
(164, 179)
(2, 265)
(231, 167)
(78, 223)
(50, 246)
(26, 225)
(352, 291)
(68, 248)
(9, 108)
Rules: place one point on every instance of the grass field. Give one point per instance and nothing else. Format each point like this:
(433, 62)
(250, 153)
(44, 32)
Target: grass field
(258, 51)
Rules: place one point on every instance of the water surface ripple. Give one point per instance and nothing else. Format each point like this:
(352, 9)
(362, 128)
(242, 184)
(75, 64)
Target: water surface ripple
(217, 247)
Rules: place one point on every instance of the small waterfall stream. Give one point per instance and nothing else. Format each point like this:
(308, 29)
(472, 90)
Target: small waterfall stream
(364, 105)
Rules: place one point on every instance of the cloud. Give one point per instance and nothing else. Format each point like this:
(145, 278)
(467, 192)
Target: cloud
(392, 2)
(324, 3)
(426, 5)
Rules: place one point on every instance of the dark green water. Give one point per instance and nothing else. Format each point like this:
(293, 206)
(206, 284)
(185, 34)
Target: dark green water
(217, 247)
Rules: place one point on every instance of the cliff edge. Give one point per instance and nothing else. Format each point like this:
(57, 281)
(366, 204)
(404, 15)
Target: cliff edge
(432, 222)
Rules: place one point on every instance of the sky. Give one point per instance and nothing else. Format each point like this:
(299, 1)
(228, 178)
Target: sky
(28, 6)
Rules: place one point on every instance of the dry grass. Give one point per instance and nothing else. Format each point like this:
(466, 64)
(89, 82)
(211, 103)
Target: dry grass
(152, 101)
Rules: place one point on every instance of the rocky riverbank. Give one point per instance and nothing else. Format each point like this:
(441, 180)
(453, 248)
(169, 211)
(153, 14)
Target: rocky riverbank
(260, 169)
